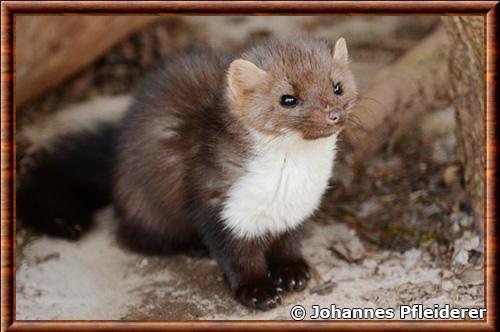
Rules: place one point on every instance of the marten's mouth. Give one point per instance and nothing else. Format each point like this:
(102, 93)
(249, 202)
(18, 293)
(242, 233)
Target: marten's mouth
(320, 133)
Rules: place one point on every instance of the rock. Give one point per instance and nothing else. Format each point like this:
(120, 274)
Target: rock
(143, 262)
(443, 151)
(414, 196)
(412, 257)
(349, 248)
(461, 257)
(323, 289)
(451, 174)
(447, 285)
(471, 243)
(447, 274)
(462, 219)
(370, 263)
(472, 276)
(463, 247)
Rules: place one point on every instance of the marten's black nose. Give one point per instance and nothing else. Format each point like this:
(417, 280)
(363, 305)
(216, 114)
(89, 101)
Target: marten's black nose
(336, 117)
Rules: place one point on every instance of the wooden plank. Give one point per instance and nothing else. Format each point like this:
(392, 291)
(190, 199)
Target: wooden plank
(50, 48)
(400, 93)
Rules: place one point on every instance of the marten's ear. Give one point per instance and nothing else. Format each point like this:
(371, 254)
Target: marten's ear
(243, 76)
(340, 53)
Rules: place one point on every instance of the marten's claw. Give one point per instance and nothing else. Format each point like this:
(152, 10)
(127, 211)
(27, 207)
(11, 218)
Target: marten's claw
(263, 295)
(291, 276)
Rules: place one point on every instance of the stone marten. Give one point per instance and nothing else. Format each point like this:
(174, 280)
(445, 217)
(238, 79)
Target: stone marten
(229, 152)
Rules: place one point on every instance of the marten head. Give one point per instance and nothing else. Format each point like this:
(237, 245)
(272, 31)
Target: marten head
(302, 86)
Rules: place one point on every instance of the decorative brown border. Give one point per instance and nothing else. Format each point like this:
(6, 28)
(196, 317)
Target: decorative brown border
(10, 8)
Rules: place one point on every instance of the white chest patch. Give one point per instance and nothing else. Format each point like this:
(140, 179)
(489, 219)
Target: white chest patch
(282, 185)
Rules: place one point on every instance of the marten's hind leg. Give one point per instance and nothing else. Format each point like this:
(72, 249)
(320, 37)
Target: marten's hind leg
(146, 233)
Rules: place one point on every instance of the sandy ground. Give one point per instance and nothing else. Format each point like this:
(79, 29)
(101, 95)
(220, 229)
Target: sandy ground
(96, 279)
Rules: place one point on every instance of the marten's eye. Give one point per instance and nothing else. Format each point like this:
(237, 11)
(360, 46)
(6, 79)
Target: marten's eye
(288, 101)
(337, 89)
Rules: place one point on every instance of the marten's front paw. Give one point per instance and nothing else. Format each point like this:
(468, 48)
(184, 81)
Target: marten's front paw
(290, 276)
(262, 295)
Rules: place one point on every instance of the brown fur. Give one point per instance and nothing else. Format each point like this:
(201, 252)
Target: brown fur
(185, 142)
(292, 68)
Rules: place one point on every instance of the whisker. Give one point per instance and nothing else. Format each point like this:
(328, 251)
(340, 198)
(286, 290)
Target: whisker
(357, 126)
(364, 109)
(371, 99)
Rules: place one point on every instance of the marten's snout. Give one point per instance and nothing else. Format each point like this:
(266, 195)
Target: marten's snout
(336, 117)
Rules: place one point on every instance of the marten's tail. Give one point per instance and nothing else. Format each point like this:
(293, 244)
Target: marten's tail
(64, 166)
(60, 185)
